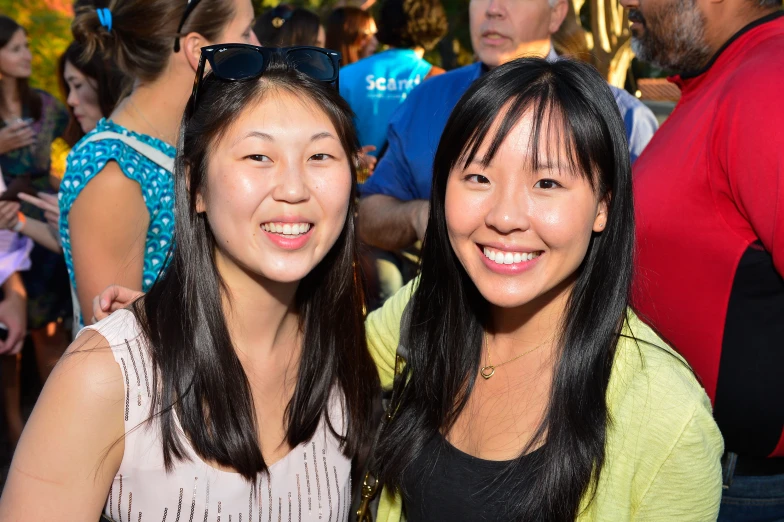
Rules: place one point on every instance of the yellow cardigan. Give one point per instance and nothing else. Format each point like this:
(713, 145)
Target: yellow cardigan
(663, 448)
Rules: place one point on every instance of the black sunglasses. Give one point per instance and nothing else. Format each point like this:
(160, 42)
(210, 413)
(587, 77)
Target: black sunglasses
(235, 62)
(188, 10)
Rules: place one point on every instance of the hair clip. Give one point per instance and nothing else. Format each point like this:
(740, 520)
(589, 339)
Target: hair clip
(105, 18)
(282, 15)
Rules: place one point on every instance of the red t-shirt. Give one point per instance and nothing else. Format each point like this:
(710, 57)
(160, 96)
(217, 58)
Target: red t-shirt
(709, 197)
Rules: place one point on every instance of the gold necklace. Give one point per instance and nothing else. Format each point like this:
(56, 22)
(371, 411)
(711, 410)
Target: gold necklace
(159, 134)
(488, 370)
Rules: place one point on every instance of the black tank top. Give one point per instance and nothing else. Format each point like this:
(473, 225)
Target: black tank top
(444, 483)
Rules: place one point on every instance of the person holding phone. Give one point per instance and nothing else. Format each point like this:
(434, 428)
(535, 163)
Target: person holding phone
(30, 120)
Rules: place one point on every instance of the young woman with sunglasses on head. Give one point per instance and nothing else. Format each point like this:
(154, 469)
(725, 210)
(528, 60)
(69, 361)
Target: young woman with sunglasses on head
(531, 391)
(116, 197)
(241, 385)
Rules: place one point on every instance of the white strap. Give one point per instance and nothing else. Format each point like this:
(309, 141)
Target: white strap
(148, 151)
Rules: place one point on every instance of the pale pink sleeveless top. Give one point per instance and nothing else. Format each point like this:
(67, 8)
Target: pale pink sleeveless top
(311, 483)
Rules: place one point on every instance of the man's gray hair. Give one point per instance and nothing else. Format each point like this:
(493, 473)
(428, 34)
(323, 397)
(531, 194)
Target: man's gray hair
(762, 3)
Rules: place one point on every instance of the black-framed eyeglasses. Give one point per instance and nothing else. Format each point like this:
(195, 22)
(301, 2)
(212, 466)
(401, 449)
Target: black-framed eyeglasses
(188, 10)
(235, 62)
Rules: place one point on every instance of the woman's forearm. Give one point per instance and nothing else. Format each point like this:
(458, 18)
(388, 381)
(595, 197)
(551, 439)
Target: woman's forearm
(42, 234)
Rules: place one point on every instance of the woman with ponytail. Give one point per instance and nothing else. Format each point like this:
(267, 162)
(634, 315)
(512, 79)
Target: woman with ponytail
(116, 198)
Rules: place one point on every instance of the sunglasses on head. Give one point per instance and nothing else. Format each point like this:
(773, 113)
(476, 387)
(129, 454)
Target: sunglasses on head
(236, 62)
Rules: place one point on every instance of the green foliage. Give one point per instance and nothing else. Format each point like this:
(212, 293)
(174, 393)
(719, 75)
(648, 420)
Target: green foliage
(48, 25)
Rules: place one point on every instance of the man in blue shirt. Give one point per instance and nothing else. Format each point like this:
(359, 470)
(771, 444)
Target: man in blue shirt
(394, 207)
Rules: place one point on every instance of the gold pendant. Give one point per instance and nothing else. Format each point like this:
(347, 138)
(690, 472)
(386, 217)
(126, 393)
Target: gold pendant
(487, 371)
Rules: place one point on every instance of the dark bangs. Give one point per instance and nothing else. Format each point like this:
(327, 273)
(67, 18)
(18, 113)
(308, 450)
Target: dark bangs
(573, 109)
(560, 117)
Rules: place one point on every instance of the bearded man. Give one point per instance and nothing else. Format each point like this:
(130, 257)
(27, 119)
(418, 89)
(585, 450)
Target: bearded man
(709, 197)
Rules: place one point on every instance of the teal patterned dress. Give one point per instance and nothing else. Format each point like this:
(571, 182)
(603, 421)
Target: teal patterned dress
(157, 185)
(48, 293)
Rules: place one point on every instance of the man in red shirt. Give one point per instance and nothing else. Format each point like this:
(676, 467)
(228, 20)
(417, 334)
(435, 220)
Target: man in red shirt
(709, 197)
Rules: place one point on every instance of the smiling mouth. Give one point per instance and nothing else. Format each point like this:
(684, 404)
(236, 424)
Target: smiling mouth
(501, 257)
(287, 230)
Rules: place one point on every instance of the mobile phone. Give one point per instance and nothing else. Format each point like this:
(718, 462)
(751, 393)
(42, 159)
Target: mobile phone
(3, 332)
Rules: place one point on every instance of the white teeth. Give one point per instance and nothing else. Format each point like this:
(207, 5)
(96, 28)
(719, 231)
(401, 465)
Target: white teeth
(509, 258)
(287, 229)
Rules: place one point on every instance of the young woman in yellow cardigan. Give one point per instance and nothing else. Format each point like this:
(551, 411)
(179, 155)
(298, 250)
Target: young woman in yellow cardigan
(531, 391)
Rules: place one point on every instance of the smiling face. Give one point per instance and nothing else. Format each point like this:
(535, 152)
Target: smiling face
(502, 30)
(520, 232)
(82, 97)
(15, 58)
(277, 189)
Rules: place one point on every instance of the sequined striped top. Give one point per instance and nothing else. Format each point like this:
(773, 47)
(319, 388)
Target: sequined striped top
(311, 483)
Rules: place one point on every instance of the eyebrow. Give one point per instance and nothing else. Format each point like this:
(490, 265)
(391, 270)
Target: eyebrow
(268, 137)
(256, 134)
(321, 136)
(545, 165)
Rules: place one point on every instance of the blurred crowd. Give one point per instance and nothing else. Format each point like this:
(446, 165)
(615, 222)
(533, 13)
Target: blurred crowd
(704, 273)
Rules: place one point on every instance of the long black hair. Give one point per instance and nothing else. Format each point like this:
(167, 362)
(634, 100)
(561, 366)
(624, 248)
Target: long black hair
(198, 372)
(449, 315)
(31, 100)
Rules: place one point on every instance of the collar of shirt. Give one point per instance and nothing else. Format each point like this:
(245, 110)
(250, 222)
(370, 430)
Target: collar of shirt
(552, 56)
